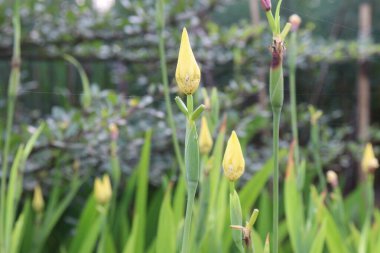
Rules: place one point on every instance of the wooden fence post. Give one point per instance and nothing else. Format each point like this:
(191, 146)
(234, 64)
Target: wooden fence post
(363, 105)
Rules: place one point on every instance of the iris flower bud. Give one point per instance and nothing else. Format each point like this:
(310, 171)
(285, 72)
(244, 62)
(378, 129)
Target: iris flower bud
(38, 199)
(233, 161)
(103, 190)
(205, 139)
(187, 73)
(369, 161)
(266, 4)
(295, 21)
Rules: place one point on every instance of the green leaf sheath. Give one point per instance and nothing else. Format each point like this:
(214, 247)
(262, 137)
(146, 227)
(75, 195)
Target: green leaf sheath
(236, 218)
(192, 173)
(276, 126)
(192, 153)
(276, 82)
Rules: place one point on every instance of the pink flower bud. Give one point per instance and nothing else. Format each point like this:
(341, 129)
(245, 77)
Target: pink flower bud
(266, 4)
(295, 21)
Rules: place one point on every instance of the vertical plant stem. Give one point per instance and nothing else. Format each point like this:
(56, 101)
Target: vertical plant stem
(191, 190)
(236, 217)
(192, 171)
(204, 198)
(276, 90)
(316, 156)
(293, 98)
(14, 81)
(276, 128)
(164, 73)
(370, 195)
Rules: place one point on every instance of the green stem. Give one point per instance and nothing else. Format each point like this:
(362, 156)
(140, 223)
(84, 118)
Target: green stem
(370, 195)
(192, 172)
(276, 128)
(14, 81)
(276, 89)
(190, 104)
(232, 186)
(204, 198)
(293, 99)
(191, 189)
(164, 73)
(317, 158)
(101, 248)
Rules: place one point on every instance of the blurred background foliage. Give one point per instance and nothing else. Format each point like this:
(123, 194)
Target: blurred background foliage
(118, 48)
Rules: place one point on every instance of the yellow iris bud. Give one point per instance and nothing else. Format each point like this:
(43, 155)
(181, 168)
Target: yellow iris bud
(369, 161)
(233, 161)
(102, 189)
(205, 139)
(187, 73)
(38, 199)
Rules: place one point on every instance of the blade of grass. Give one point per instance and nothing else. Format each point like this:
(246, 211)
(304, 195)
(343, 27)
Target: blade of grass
(142, 192)
(166, 231)
(160, 20)
(14, 82)
(86, 97)
(252, 189)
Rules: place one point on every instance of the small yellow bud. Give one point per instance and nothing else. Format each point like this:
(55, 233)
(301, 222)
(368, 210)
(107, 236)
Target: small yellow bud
(205, 139)
(102, 189)
(134, 102)
(187, 73)
(332, 178)
(369, 161)
(38, 199)
(233, 161)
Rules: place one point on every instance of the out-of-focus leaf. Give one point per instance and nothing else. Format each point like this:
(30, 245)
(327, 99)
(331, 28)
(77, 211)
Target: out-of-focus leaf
(252, 189)
(166, 232)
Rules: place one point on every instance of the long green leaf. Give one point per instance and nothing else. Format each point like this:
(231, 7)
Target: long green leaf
(11, 197)
(142, 192)
(166, 232)
(317, 246)
(86, 97)
(252, 189)
(88, 216)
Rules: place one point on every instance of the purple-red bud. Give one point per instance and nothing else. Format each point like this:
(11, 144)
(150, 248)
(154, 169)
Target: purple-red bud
(266, 4)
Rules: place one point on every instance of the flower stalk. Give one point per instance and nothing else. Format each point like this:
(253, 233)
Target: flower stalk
(295, 21)
(276, 94)
(233, 167)
(13, 85)
(314, 117)
(188, 78)
(160, 20)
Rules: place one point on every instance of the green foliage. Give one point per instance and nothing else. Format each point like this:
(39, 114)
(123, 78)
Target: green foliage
(147, 210)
